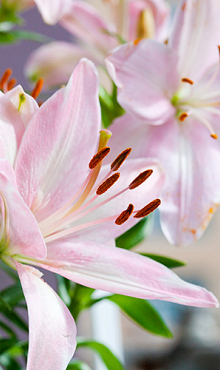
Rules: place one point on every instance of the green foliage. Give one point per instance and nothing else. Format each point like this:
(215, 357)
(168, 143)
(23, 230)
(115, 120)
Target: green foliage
(109, 359)
(13, 36)
(110, 108)
(78, 365)
(166, 261)
(143, 314)
(136, 234)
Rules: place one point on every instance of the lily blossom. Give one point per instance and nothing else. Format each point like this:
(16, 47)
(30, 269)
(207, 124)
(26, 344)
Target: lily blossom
(97, 31)
(61, 210)
(171, 93)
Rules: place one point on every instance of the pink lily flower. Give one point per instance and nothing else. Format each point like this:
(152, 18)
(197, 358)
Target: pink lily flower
(61, 210)
(97, 32)
(172, 95)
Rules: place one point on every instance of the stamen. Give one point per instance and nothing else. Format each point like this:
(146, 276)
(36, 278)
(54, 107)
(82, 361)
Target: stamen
(98, 157)
(5, 78)
(107, 184)
(185, 79)
(183, 116)
(36, 91)
(214, 136)
(120, 159)
(140, 179)
(12, 83)
(124, 216)
(150, 207)
(146, 24)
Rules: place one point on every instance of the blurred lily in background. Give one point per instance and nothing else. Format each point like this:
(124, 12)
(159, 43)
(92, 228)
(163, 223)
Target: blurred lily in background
(172, 97)
(61, 210)
(51, 10)
(96, 32)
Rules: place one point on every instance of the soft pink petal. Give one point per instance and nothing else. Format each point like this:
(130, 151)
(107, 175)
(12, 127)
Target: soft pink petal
(160, 11)
(52, 331)
(191, 160)
(147, 79)
(139, 197)
(55, 62)
(195, 36)
(23, 234)
(11, 129)
(83, 21)
(59, 142)
(24, 103)
(52, 10)
(123, 272)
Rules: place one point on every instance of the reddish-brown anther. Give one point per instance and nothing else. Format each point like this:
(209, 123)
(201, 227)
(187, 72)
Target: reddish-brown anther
(183, 116)
(107, 184)
(5, 77)
(140, 179)
(124, 216)
(11, 83)
(185, 79)
(98, 157)
(120, 159)
(36, 91)
(150, 207)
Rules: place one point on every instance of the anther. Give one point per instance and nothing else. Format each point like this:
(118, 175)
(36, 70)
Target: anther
(120, 159)
(214, 136)
(12, 83)
(140, 179)
(98, 157)
(107, 184)
(124, 216)
(185, 79)
(36, 91)
(183, 116)
(5, 78)
(150, 207)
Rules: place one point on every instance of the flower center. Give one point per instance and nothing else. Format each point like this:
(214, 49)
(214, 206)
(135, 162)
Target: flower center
(200, 100)
(85, 203)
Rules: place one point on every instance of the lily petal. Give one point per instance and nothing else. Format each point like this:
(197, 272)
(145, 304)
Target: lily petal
(195, 36)
(52, 10)
(49, 146)
(52, 331)
(123, 272)
(55, 62)
(22, 231)
(11, 129)
(191, 191)
(143, 91)
(82, 17)
(24, 103)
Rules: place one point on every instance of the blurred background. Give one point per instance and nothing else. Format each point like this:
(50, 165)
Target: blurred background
(196, 341)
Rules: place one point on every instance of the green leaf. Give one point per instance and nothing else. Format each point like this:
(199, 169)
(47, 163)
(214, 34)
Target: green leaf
(11, 315)
(110, 108)
(9, 363)
(109, 359)
(166, 261)
(12, 37)
(6, 344)
(136, 234)
(78, 365)
(13, 295)
(143, 313)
